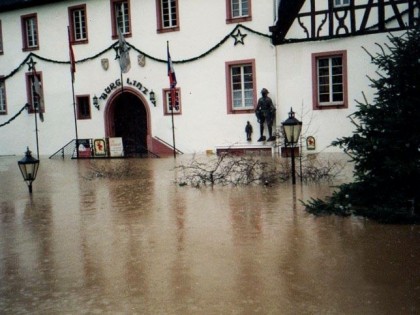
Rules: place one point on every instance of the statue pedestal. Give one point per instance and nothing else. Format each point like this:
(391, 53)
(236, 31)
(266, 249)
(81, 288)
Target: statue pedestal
(244, 149)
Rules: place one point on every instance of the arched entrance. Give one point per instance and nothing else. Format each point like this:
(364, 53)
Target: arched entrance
(126, 117)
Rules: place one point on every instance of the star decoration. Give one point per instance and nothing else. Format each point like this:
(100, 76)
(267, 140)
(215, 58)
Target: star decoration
(31, 65)
(239, 37)
(117, 52)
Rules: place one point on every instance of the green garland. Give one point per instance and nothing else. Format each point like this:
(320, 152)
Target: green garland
(33, 55)
(112, 46)
(14, 117)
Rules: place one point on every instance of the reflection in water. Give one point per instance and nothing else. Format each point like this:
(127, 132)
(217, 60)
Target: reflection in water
(144, 245)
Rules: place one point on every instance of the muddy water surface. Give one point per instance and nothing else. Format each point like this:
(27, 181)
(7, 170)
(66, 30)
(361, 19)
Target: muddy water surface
(144, 245)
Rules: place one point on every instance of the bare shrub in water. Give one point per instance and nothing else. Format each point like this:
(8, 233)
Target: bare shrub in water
(103, 169)
(227, 169)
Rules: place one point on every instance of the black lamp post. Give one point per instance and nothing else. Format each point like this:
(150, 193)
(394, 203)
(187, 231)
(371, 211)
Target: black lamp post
(292, 128)
(29, 168)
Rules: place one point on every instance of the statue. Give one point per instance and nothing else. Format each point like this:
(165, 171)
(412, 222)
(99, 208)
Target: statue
(265, 112)
(248, 130)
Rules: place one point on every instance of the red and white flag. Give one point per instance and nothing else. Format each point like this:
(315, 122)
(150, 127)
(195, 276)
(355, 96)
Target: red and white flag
(171, 71)
(71, 53)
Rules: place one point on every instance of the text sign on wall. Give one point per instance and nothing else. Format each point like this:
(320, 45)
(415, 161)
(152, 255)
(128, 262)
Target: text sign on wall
(117, 83)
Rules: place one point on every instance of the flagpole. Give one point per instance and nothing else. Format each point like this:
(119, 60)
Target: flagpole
(172, 82)
(72, 91)
(36, 131)
(75, 119)
(173, 124)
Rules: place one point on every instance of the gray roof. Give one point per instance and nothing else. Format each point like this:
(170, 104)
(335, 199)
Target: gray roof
(10, 5)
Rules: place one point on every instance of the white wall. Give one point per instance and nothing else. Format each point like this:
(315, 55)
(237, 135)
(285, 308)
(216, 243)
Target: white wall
(204, 122)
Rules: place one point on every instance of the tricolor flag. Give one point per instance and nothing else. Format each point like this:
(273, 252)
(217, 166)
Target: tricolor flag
(72, 60)
(171, 71)
(124, 56)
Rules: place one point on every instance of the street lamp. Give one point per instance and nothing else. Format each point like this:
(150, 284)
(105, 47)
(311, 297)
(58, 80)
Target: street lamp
(292, 128)
(28, 167)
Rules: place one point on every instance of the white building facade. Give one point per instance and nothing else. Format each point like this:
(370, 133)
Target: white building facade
(209, 41)
(222, 53)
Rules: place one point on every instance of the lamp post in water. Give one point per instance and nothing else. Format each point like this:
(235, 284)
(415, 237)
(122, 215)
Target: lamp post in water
(29, 168)
(292, 128)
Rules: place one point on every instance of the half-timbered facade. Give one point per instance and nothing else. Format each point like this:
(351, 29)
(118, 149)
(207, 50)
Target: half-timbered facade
(323, 62)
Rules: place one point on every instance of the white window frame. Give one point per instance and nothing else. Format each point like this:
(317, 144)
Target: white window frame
(329, 80)
(241, 86)
(124, 7)
(79, 24)
(169, 19)
(341, 3)
(238, 7)
(30, 32)
(242, 98)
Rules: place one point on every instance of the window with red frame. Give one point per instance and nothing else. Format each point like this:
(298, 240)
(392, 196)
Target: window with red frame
(30, 32)
(83, 107)
(168, 106)
(120, 17)
(78, 24)
(238, 11)
(1, 40)
(3, 105)
(240, 86)
(167, 15)
(329, 76)
(34, 100)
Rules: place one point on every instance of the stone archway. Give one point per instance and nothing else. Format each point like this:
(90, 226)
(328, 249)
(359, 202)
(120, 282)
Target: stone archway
(126, 116)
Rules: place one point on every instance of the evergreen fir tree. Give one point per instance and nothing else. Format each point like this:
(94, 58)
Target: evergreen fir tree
(385, 146)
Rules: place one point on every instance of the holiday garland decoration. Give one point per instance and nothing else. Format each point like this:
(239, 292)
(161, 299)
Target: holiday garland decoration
(239, 38)
(235, 34)
(14, 117)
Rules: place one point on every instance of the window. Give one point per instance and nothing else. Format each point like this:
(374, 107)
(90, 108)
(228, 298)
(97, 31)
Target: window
(30, 32)
(120, 17)
(1, 40)
(329, 76)
(78, 24)
(240, 86)
(167, 101)
(341, 3)
(33, 92)
(167, 15)
(238, 11)
(83, 107)
(3, 107)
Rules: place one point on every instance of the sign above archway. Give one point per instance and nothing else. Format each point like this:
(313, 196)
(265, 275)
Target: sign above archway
(117, 84)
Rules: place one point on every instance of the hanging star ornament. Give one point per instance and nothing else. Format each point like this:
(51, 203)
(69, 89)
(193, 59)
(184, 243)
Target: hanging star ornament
(239, 37)
(31, 64)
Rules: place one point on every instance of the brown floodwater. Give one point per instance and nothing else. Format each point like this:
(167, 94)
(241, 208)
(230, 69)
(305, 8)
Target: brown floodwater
(144, 245)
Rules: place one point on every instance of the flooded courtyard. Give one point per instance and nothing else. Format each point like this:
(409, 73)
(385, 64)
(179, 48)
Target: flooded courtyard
(145, 245)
